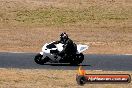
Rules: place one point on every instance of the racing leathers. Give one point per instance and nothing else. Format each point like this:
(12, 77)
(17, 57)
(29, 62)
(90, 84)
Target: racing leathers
(69, 47)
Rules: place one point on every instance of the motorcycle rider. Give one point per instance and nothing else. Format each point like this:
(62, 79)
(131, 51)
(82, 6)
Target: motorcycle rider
(69, 46)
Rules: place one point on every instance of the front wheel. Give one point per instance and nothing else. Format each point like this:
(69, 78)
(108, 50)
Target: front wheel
(39, 59)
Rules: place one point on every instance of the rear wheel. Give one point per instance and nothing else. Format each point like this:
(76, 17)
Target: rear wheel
(80, 57)
(39, 59)
(77, 60)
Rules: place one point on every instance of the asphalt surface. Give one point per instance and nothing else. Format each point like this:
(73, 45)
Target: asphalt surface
(91, 62)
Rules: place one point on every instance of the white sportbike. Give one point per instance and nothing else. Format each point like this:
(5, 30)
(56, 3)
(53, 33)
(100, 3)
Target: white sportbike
(50, 54)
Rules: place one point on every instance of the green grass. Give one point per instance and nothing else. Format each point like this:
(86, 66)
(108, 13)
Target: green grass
(60, 16)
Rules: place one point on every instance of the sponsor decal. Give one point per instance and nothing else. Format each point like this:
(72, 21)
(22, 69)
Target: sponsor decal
(83, 78)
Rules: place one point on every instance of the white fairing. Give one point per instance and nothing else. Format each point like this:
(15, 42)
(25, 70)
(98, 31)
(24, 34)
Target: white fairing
(81, 48)
(59, 47)
(44, 49)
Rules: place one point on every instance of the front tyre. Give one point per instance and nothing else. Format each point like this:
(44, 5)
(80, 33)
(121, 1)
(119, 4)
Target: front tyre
(39, 59)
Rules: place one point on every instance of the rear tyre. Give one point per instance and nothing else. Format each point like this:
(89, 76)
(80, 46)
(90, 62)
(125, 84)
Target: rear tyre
(39, 59)
(80, 58)
(77, 60)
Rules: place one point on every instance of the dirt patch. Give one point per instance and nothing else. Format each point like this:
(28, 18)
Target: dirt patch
(32, 39)
(25, 25)
(17, 78)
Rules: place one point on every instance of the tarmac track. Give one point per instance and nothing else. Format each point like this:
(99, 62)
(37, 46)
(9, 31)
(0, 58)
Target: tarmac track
(92, 62)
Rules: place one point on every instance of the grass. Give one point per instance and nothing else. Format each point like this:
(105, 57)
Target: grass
(104, 25)
(60, 16)
(54, 16)
(23, 78)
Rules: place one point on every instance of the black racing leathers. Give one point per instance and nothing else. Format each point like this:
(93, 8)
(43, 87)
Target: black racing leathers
(68, 48)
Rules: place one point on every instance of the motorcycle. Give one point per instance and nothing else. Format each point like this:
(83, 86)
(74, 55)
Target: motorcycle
(50, 54)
